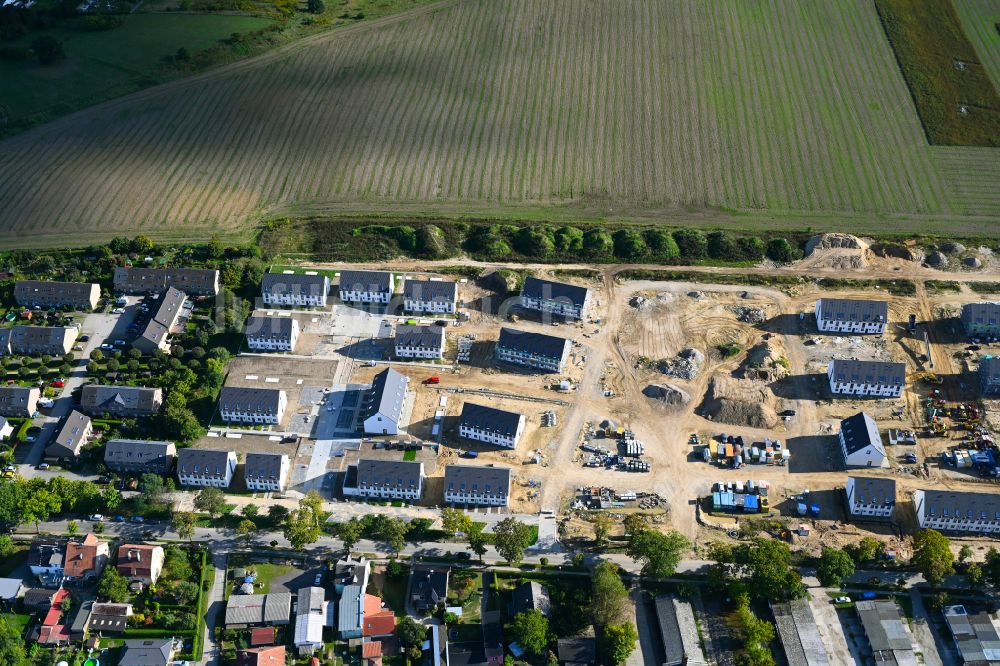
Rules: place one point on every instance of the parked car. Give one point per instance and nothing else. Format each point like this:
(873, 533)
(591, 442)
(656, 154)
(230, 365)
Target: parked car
(318, 580)
(137, 519)
(43, 466)
(84, 338)
(107, 346)
(842, 600)
(97, 517)
(58, 383)
(119, 342)
(118, 519)
(118, 311)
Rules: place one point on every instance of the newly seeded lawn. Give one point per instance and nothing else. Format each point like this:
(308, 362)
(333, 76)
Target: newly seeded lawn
(762, 107)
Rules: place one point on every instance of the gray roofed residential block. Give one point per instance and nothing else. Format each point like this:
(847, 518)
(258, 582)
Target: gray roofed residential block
(251, 609)
(387, 394)
(19, 400)
(71, 437)
(886, 632)
(428, 337)
(974, 634)
(489, 419)
(577, 650)
(251, 400)
(860, 432)
(161, 321)
(549, 291)
(540, 344)
(981, 318)
(854, 310)
(139, 400)
(139, 454)
(207, 462)
(430, 290)
(147, 652)
(465, 478)
(54, 340)
(874, 490)
(350, 610)
(265, 466)
(10, 588)
(297, 284)
(964, 505)
(51, 293)
(276, 328)
(200, 281)
(310, 618)
(869, 372)
(989, 375)
(373, 281)
(389, 474)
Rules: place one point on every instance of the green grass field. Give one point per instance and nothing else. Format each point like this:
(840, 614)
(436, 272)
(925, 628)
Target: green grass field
(101, 65)
(764, 112)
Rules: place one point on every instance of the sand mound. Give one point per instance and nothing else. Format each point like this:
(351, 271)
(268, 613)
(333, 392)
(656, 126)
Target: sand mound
(764, 362)
(831, 241)
(667, 394)
(740, 402)
(896, 251)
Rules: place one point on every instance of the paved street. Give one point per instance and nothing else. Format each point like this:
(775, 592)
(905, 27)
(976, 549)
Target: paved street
(215, 609)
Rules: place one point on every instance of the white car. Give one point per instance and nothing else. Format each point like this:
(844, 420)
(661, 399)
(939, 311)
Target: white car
(97, 518)
(842, 600)
(118, 311)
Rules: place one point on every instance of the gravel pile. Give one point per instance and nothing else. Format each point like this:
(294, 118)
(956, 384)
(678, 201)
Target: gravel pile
(749, 314)
(668, 394)
(686, 365)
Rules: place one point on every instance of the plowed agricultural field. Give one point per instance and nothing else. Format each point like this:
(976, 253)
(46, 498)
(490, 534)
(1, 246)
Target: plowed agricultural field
(757, 105)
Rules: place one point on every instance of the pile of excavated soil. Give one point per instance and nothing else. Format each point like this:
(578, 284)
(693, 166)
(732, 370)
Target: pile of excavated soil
(686, 365)
(937, 260)
(831, 241)
(749, 314)
(667, 394)
(640, 302)
(764, 362)
(740, 402)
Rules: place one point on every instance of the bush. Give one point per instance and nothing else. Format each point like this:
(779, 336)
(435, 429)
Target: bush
(692, 243)
(316, 7)
(598, 245)
(662, 245)
(780, 250)
(48, 50)
(629, 244)
(100, 22)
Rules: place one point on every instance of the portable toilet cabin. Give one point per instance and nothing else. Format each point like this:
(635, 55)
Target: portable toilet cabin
(706, 454)
(801, 508)
(814, 510)
(750, 504)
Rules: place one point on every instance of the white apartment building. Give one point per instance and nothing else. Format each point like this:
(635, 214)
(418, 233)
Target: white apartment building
(534, 350)
(294, 289)
(871, 497)
(419, 341)
(432, 297)
(266, 472)
(366, 287)
(843, 315)
(948, 511)
(385, 479)
(476, 485)
(204, 468)
(272, 333)
(252, 405)
(491, 425)
(866, 378)
(558, 298)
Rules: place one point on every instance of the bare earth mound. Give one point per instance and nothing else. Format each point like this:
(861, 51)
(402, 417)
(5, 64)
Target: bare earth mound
(764, 362)
(667, 394)
(740, 402)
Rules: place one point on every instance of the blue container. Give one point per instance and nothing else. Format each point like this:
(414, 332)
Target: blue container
(814, 509)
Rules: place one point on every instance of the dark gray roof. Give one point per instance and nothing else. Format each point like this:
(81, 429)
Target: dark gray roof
(883, 625)
(37, 339)
(374, 281)
(253, 400)
(18, 400)
(530, 595)
(578, 650)
(71, 436)
(168, 308)
(191, 280)
(431, 337)
(389, 474)
(974, 634)
(874, 490)
(855, 310)
(860, 432)
(146, 652)
(273, 327)
(430, 290)
(965, 505)
(263, 465)
(536, 343)
(549, 291)
(107, 617)
(46, 552)
(799, 635)
(27, 292)
(869, 372)
(273, 608)
(294, 283)
(429, 585)
(136, 451)
(670, 631)
(97, 398)
(489, 419)
(207, 462)
(387, 394)
(483, 479)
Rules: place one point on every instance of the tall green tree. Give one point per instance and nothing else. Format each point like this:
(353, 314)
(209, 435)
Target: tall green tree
(301, 528)
(932, 556)
(394, 532)
(610, 596)
(510, 538)
(619, 641)
(455, 520)
(659, 553)
(834, 566)
(113, 586)
(350, 532)
(531, 631)
(183, 522)
(211, 501)
(247, 530)
(477, 540)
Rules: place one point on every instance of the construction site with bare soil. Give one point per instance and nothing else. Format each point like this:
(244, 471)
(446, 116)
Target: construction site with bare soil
(673, 391)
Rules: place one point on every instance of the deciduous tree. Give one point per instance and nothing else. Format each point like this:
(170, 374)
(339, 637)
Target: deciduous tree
(659, 553)
(619, 641)
(932, 555)
(531, 631)
(510, 538)
(834, 566)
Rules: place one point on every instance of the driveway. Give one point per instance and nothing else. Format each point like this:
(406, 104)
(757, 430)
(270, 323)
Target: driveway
(216, 606)
(830, 629)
